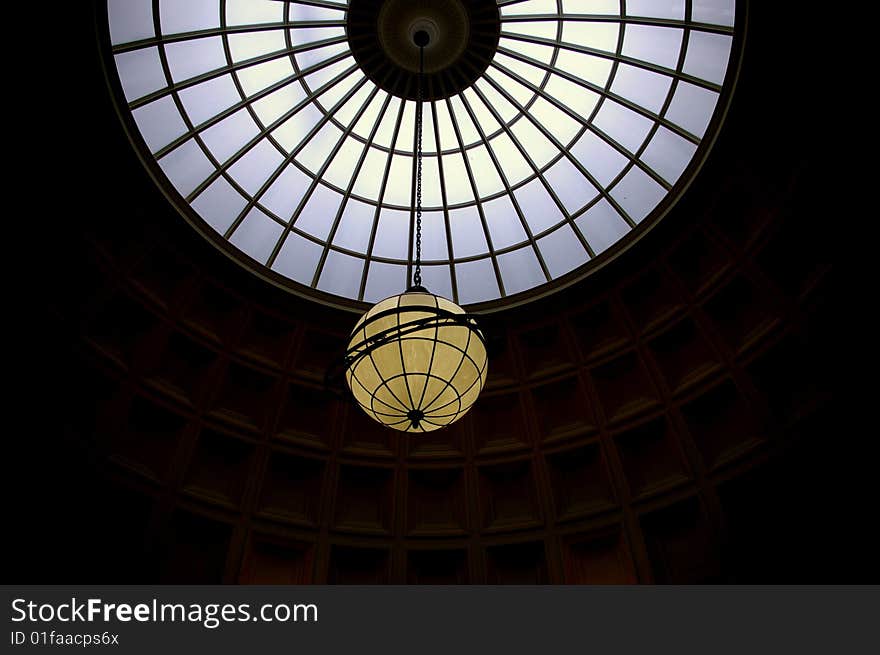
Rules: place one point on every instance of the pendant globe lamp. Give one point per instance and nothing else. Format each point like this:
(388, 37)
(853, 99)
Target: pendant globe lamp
(416, 362)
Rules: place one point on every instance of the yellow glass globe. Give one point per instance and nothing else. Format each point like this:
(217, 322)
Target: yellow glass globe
(417, 362)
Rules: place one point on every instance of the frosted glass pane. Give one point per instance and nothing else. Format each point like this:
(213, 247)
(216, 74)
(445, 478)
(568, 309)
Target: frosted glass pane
(206, 100)
(399, 189)
(572, 188)
(187, 59)
(228, 136)
(504, 224)
(476, 281)
(159, 122)
(520, 270)
(602, 226)
(305, 35)
(341, 275)
(563, 127)
(316, 152)
(587, 67)
(518, 92)
(256, 78)
(301, 12)
(437, 280)
(355, 226)
(541, 29)
(669, 154)
(331, 73)
(298, 259)
(591, 7)
(384, 280)
(716, 12)
(562, 251)
(488, 180)
(278, 103)
(130, 20)
(257, 235)
(431, 193)
(458, 185)
(140, 72)
(344, 164)
(188, 15)
(502, 106)
(468, 237)
(256, 166)
(319, 212)
(656, 8)
(602, 36)
(623, 125)
(434, 236)
(707, 56)
(219, 204)
(254, 44)
(392, 235)
(485, 119)
(643, 87)
(516, 168)
(601, 160)
(295, 129)
(186, 166)
(337, 92)
(539, 147)
(637, 193)
(246, 12)
(369, 180)
(429, 144)
(315, 56)
(658, 45)
(538, 207)
(385, 131)
(580, 100)
(466, 127)
(284, 194)
(529, 7)
(406, 135)
(444, 127)
(692, 108)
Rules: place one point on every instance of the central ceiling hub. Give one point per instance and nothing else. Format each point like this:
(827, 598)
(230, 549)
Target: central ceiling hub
(462, 39)
(445, 21)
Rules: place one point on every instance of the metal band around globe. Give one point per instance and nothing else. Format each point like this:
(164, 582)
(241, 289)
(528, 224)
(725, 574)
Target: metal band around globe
(353, 353)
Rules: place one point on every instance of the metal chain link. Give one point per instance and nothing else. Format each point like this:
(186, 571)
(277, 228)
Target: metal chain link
(417, 277)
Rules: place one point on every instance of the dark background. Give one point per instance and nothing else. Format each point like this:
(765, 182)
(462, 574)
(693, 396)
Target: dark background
(669, 419)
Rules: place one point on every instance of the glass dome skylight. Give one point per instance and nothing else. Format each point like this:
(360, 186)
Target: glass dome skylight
(585, 126)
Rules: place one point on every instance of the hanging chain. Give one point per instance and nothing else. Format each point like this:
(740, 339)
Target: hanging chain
(417, 276)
